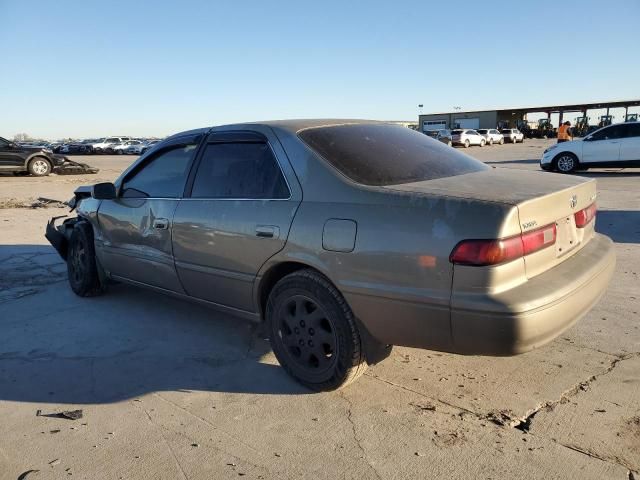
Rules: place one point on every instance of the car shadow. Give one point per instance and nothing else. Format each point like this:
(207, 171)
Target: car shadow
(59, 348)
(521, 162)
(622, 226)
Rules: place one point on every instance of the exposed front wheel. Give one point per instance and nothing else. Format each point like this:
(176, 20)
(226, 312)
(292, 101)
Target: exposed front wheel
(39, 167)
(81, 262)
(566, 163)
(313, 332)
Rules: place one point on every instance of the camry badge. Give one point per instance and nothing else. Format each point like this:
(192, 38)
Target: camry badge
(573, 201)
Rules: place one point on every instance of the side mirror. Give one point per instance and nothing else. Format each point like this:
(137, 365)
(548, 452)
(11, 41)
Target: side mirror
(103, 191)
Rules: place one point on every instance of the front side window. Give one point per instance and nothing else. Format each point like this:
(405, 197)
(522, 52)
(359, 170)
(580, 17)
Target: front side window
(162, 176)
(609, 133)
(3, 143)
(244, 170)
(377, 155)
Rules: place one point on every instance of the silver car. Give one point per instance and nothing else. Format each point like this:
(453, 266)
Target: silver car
(491, 135)
(345, 237)
(467, 137)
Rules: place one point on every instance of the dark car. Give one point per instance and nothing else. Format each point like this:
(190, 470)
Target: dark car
(76, 148)
(36, 160)
(443, 135)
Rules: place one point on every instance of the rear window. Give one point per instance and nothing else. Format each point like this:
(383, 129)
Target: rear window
(378, 155)
(457, 132)
(482, 131)
(506, 131)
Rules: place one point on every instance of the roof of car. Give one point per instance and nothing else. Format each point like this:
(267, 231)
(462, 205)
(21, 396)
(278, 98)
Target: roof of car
(292, 126)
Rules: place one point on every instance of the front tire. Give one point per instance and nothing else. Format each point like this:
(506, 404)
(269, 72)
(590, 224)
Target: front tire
(482, 143)
(82, 268)
(39, 167)
(313, 332)
(566, 162)
(502, 141)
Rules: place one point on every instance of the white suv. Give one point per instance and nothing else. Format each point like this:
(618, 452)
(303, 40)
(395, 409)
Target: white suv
(491, 135)
(467, 137)
(512, 135)
(613, 146)
(106, 145)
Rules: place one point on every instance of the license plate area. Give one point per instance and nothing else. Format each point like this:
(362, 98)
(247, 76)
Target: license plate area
(566, 236)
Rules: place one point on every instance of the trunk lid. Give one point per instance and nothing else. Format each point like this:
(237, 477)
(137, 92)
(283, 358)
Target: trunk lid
(541, 199)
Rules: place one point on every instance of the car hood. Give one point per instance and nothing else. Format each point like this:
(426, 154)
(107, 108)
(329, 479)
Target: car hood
(501, 185)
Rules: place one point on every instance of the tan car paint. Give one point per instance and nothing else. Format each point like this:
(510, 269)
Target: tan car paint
(398, 279)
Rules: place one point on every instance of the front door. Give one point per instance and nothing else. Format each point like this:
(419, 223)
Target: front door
(630, 144)
(236, 217)
(11, 154)
(602, 146)
(137, 226)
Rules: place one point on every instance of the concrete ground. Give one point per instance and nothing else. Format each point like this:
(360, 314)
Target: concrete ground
(171, 390)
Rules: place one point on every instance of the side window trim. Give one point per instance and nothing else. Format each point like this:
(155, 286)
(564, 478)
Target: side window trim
(232, 137)
(176, 143)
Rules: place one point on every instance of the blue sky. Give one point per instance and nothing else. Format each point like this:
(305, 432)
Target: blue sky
(89, 68)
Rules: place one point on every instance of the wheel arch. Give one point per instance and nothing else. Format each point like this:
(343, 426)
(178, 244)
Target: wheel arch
(36, 155)
(374, 350)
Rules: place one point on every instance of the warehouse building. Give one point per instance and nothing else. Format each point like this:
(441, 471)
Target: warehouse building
(511, 117)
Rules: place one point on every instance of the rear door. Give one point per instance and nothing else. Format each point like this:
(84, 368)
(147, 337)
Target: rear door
(137, 226)
(603, 146)
(240, 202)
(630, 144)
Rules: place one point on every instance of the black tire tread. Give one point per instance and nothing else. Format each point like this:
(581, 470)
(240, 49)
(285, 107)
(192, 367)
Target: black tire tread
(91, 285)
(313, 280)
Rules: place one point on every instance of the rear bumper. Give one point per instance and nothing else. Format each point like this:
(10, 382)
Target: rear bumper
(508, 323)
(536, 312)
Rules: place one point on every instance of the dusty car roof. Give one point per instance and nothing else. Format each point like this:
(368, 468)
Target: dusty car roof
(295, 125)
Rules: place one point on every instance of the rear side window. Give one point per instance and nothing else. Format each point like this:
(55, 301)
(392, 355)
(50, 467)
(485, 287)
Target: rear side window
(162, 176)
(380, 155)
(239, 170)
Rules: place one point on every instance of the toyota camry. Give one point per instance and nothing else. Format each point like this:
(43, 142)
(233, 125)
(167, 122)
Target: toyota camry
(345, 237)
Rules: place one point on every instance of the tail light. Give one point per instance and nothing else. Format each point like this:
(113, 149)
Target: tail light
(585, 216)
(493, 252)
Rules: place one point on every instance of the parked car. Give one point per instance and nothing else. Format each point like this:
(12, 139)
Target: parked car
(107, 145)
(512, 135)
(76, 148)
(149, 145)
(617, 145)
(491, 135)
(123, 148)
(345, 237)
(467, 137)
(35, 160)
(443, 136)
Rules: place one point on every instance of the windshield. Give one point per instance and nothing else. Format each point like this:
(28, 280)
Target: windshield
(378, 155)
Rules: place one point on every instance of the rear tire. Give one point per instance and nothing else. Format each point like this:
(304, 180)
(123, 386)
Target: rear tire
(39, 167)
(82, 268)
(466, 144)
(313, 332)
(566, 162)
(502, 141)
(491, 142)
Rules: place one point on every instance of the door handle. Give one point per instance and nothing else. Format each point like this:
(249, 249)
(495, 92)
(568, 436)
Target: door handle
(267, 231)
(161, 223)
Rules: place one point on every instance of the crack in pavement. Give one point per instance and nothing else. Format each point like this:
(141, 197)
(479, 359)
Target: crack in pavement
(603, 458)
(166, 442)
(524, 422)
(355, 434)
